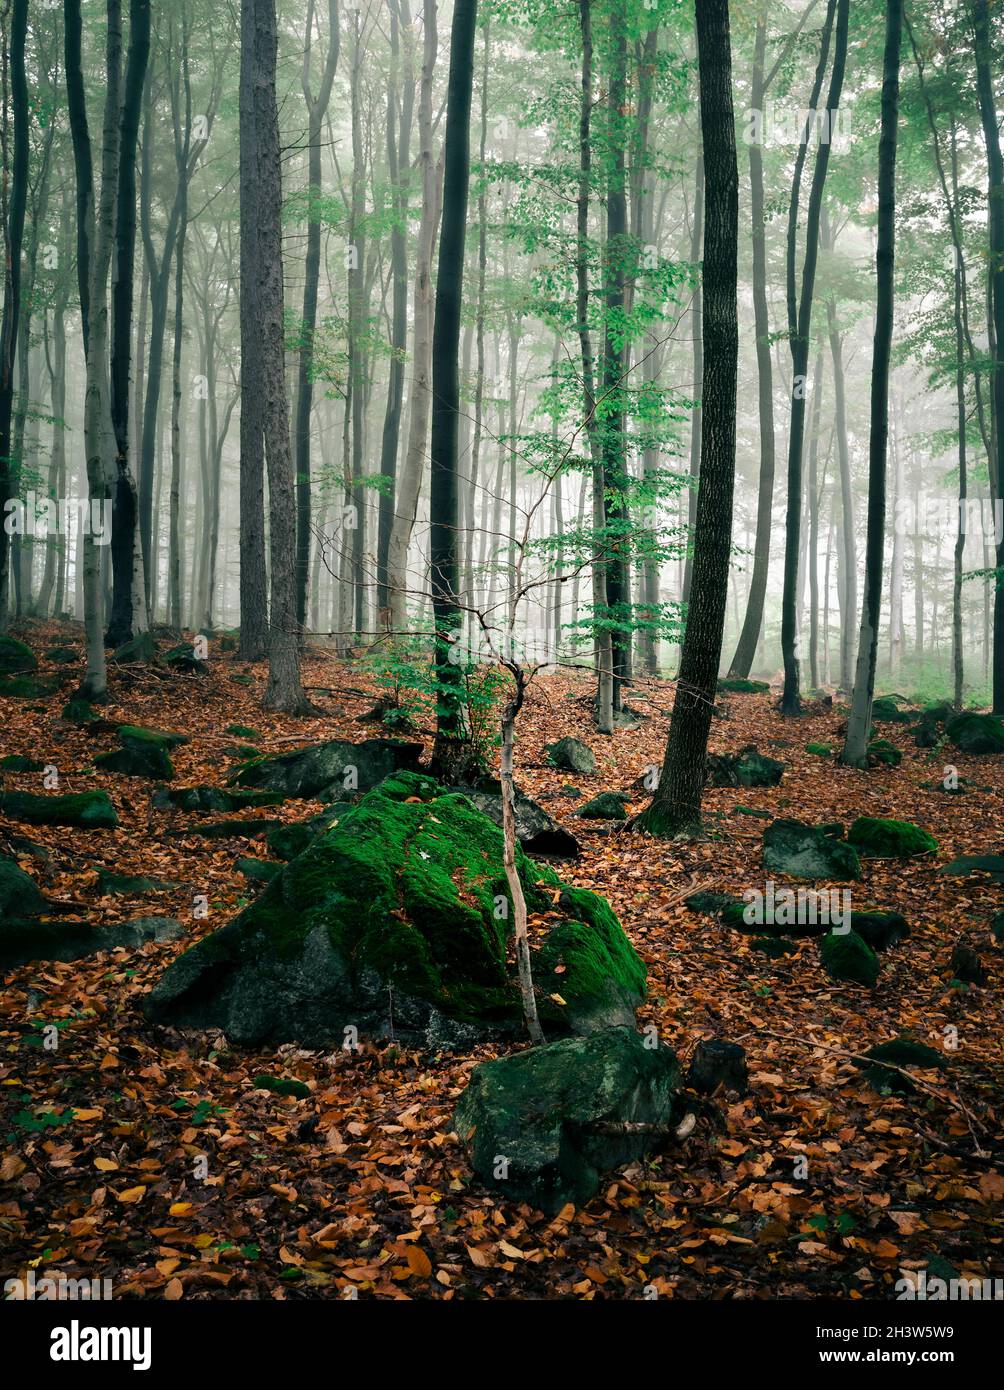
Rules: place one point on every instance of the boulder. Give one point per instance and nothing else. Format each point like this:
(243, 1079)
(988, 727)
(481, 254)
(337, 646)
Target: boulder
(966, 966)
(718, 1063)
(605, 806)
(820, 750)
(18, 891)
(183, 659)
(883, 753)
(806, 851)
(88, 810)
(144, 753)
(976, 733)
(875, 838)
(24, 941)
(847, 956)
(537, 832)
(878, 928)
(571, 755)
(542, 1126)
(140, 648)
(16, 658)
(992, 864)
(78, 711)
(329, 770)
(747, 768)
(395, 921)
(210, 799)
(886, 711)
(930, 727)
(740, 685)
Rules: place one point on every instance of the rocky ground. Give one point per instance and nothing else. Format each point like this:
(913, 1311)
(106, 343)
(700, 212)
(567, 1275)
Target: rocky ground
(150, 1156)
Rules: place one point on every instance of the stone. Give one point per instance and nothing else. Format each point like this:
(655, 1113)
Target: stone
(18, 891)
(897, 1053)
(605, 806)
(537, 832)
(885, 710)
(875, 838)
(282, 1086)
(335, 766)
(883, 753)
(211, 799)
(16, 658)
(258, 870)
(715, 1064)
(976, 734)
(820, 750)
(880, 929)
(571, 755)
(847, 956)
(992, 864)
(747, 768)
(395, 921)
(560, 1115)
(140, 648)
(78, 711)
(17, 762)
(966, 966)
(22, 941)
(183, 659)
(805, 851)
(88, 810)
(740, 685)
(112, 884)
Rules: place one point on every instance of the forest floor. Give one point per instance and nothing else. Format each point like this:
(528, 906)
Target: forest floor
(362, 1185)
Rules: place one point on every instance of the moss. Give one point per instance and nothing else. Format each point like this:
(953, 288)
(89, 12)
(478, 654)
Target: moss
(773, 946)
(885, 710)
(258, 870)
(976, 733)
(241, 731)
(740, 685)
(16, 658)
(78, 711)
(133, 734)
(876, 838)
(847, 956)
(282, 1086)
(605, 806)
(16, 762)
(880, 929)
(89, 810)
(898, 1053)
(819, 750)
(880, 750)
(27, 687)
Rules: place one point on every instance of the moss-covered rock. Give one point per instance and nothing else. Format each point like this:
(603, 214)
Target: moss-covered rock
(847, 956)
(17, 762)
(976, 733)
(258, 870)
(538, 833)
(62, 656)
(140, 648)
(572, 755)
(805, 851)
(885, 710)
(820, 750)
(992, 864)
(966, 966)
(773, 946)
(183, 659)
(879, 928)
(241, 731)
(16, 658)
(997, 927)
(23, 941)
(896, 1055)
(930, 728)
(329, 770)
(397, 919)
(211, 799)
(27, 687)
(747, 768)
(740, 685)
(876, 838)
(19, 894)
(144, 753)
(604, 806)
(543, 1125)
(883, 753)
(282, 1086)
(78, 711)
(88, 810)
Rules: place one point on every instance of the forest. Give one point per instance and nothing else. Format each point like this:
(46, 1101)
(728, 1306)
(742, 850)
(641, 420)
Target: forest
(502, 662)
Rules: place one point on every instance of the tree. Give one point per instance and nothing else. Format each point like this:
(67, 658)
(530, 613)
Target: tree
(15, 202)
(263, 340)
(855, 751)
(677, 800)
(444, 545)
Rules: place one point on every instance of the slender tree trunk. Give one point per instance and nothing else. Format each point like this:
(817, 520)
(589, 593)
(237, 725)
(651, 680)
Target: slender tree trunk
(13, 233)
(677, 801)
(855, 752)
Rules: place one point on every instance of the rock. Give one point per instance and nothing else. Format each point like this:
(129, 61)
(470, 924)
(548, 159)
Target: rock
(929, 730)
(22, 942)
(605, 806)
(210, 799)
(16, 658)
(88, 810)
(553, 1114)
(144, 753)
(739, 685)
(805, 851)
(537, 832)
(878, 928)
(258, 870)
(976, 733)
(16, 762)
(77, 711)
(287, 841)
(899, 1052)
(747, 768)
(241, 731)
(184, 660)
(139, 648)
(18, 891)
(875, 838)
(966, 966)
(395, 920)
(717, 1063)
(335, 767)
(571, 755)
(993, 864)
(886, 711)
(774, 946)
(129, 885)
(712, 903)
(997, 927)
(27, 687)
(231, 829)
(820, 750)
(62, 656)
(847, 956)
(883, 753)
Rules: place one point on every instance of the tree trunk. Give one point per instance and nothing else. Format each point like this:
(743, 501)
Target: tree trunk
(13, 233)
